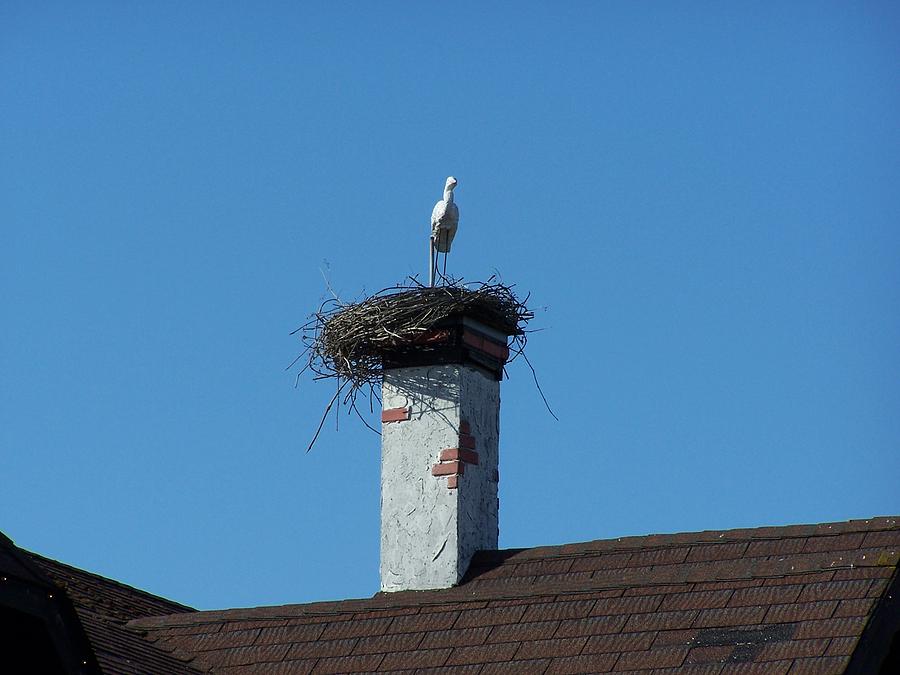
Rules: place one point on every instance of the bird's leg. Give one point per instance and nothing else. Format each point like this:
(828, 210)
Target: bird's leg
(444, 274)
(430, 262)
(434, 263)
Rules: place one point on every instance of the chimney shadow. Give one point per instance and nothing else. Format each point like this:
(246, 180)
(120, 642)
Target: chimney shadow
(486, 564)
(431, 396)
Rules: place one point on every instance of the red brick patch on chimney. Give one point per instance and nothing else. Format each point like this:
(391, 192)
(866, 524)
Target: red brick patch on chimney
(448, 469)
(395, 415)
(452, 461)
(460, 454)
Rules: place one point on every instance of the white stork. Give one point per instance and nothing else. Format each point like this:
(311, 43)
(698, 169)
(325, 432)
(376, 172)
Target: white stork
(444, 221)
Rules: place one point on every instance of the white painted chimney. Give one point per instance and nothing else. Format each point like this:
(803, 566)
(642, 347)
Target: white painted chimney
(439, 455)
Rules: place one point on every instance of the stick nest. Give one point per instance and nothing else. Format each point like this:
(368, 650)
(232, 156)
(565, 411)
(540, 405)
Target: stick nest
(348, 341)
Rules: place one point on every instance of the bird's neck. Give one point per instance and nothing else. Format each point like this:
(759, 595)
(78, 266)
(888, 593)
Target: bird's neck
(448, 196)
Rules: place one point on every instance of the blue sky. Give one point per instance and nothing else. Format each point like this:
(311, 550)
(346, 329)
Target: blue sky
(701, 199)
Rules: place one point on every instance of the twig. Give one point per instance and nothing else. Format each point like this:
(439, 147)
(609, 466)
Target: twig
(537, 384)
(324, 417)
(348, 341)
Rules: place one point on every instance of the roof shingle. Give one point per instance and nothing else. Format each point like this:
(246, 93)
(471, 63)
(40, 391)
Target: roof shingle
(103, 607)
(784, 599)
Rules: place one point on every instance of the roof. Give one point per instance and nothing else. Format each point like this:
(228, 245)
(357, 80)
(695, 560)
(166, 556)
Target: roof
(103, 606)
(114, 601)
(38, 623)
(797, 599)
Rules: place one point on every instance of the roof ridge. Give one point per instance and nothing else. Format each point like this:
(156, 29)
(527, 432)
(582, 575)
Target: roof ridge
(706, 537)
(475, 590)
(459, 594)
(44, 561)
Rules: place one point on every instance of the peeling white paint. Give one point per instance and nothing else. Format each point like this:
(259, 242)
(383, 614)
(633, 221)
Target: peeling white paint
(429, 532)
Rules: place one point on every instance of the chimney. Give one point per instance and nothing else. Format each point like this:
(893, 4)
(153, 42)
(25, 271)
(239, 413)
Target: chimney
(439, 454)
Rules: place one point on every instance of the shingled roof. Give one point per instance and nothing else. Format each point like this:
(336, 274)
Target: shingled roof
(798, 599)
(103, 606)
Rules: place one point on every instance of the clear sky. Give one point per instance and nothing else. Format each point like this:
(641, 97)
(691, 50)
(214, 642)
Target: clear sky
(702, 200)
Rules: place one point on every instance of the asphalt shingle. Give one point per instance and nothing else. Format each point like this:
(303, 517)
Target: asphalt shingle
(769, 600)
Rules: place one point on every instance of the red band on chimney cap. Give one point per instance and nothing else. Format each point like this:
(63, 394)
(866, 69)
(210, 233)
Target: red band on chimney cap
(472, 339)
(496, 350)
(489, 346)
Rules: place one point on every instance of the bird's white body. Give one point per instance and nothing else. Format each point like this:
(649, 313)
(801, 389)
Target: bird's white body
(445, 219)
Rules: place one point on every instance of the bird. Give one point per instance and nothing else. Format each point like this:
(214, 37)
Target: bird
(444, 222)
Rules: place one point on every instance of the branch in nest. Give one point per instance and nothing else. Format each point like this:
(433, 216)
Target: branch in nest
(348, 341)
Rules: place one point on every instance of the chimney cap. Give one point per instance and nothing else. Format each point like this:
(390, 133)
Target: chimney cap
(355, 342)
(457, 339)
